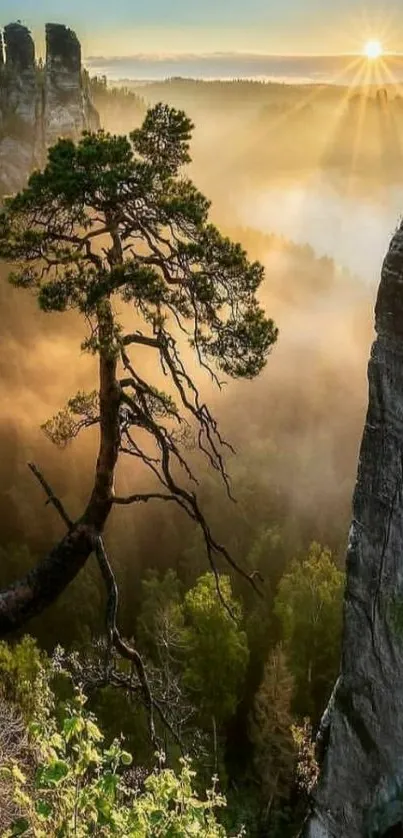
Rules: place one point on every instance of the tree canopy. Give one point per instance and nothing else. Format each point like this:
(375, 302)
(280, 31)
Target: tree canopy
(309, 606)
(216, 648)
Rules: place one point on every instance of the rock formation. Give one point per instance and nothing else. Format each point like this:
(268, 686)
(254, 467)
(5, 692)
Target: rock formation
(19, 108)
(67, 107)
(38, 104)
(360, 792)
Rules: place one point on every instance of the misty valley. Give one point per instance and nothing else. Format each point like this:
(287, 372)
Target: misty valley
(189, 271)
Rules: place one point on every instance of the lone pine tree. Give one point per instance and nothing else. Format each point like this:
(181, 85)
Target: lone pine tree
(114, 220)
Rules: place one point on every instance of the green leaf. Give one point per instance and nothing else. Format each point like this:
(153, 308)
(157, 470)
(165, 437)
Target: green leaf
(109, 783)
(20, 827)
(72, 727)
(93, 731)
(43, 808)
(53, 774)
(57, 742)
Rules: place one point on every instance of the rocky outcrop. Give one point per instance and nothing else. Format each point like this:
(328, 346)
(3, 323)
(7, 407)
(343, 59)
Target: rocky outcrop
(39, 104)
(67, 107)
(19, 108)
(360, 792)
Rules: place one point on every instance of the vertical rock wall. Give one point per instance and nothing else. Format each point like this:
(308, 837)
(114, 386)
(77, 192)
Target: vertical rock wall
(19, 108)
(67, 109)
(38, 105)
(360, 793)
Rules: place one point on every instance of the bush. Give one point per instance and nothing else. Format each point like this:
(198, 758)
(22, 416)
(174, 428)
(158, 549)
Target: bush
(81, 788)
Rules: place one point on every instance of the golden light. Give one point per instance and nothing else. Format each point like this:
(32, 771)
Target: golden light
(373, 50)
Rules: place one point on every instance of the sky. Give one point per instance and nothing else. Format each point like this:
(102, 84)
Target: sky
(271, 27)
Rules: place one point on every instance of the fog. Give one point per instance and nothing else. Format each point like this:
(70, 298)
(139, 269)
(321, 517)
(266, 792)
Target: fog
(321, 230)
(354, 230)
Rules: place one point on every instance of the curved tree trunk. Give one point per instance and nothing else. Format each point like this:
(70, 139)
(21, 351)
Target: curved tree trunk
(360, 790)
(29, 596)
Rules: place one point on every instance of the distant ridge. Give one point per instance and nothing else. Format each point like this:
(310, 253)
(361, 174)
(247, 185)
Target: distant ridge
(336, 69)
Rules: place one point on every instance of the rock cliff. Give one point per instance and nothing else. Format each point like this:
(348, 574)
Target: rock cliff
(38, 103)
(67, 106)
(19, 108)
(360, 793)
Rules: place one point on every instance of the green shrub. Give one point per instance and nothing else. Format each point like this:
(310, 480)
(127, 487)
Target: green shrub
(84, 789)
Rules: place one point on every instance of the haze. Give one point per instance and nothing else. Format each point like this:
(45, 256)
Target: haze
(309, 179)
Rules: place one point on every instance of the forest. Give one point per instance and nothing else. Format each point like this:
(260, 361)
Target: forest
(346, 131)
(215, 668)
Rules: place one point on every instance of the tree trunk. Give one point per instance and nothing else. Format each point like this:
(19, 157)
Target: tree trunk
(360, 790)
(215, 746)
(43, 584)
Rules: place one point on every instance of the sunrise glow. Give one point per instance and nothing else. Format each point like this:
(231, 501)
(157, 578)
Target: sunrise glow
(373, 50)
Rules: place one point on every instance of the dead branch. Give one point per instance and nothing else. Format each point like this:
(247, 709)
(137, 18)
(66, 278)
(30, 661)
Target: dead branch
(51, 496)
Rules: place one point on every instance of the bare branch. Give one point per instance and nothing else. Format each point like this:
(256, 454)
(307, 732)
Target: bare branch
(143, 498)
(114, 638)
(188, 500)
(51, 496)
(125, 649)
(143, 340)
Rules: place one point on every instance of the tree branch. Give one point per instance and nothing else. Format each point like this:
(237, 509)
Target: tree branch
(125, 649)
(114, 638)
(51, 496)
(144, 498)
(143, 340)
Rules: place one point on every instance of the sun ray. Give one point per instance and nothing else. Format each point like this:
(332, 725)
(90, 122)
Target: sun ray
(340, 112)
(359, 129)
(387, 63)
(361, 70)
(388, 113)
(318, 91)
(301, 189)
(259, 136)
(356, 62)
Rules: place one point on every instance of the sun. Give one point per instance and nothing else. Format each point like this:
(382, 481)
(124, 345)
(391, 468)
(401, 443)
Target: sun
(373, 50)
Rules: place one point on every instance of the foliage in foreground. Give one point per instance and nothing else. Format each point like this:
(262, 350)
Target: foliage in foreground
(267, 768)
(82, 788)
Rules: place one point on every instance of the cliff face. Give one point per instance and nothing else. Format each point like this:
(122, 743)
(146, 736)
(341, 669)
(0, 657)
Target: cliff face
(19, 108)
(67, 108)
(360, 793)
(38, 104)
